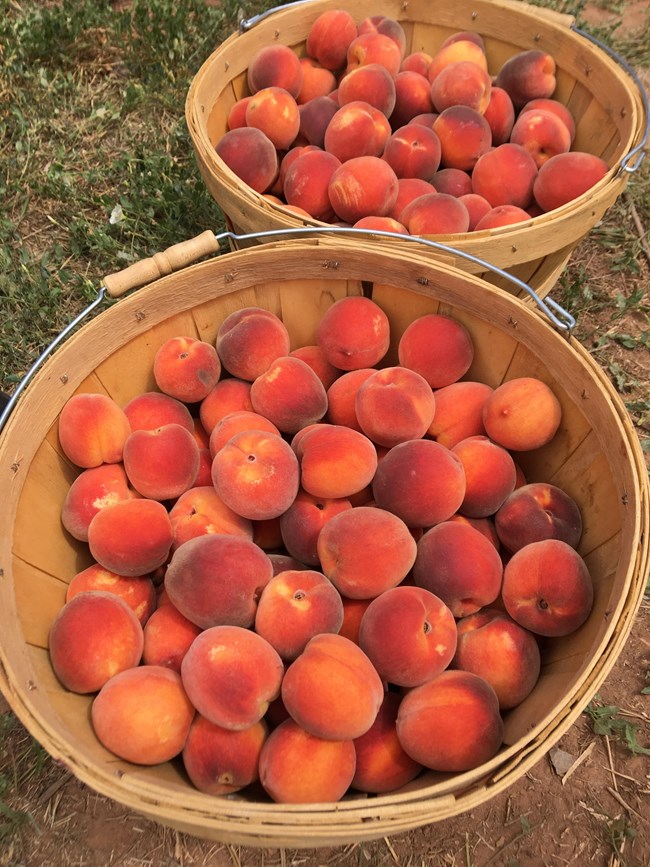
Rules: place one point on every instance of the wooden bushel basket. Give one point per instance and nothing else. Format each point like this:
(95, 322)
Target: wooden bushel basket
(606, 102)
(595, 457)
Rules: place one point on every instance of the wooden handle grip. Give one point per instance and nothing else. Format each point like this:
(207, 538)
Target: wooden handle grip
(160, 264)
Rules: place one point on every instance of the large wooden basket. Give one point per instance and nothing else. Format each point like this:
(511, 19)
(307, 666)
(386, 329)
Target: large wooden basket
(595, 457)
(606, 101)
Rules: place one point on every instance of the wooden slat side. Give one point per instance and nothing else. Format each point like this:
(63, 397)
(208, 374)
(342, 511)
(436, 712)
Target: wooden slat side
(39, 598)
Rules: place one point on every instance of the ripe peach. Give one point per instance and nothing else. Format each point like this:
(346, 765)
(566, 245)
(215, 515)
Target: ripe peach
(290, 395)
(542, 133)
(294, 606)
(317, 81)
(505, 176)
(407, 190)
(138, 592)
(92, 490)
(365, 551)
(427, 118)
(302, 522)
(237, 114)
(537, 511)
(329, 37)
(161, 464)
(371, 83)
(228, 395)
(477, 208)
(464, 36)
(381, 224)
(353, 611)
(459, 412)
(266, 534)
(420, 481)
(547, 588)
(436, 214)
(186, 368)
(409, 635)
(235, 422)
(357, 129)
(382, 765)
(483, 525)
(522, 414)
(464, 134)
(307, 185)
(199, 511)
(282, 562)
(502, 215)
(341, 397)
(417, 61)
(313, 355)
(385, 25)
(438, 347)
(454, 51)
(527, 75)
(249, 340)
(374, 48)
(493, 646)
(274, 111)
(565, 177)
(500, 115)
(490, 475)
(363, 186)
(393, 405)
(123, 710)
(132, 537)
(92, 430)
(231, 674)
(315, 116)
(461, 83)
(152, 409)
(296, 767)
(354, 332)
(250, 154)
(221, 761)
(558, 108)
(453, 182)
(168, 635)
(460, 565)
(275, 65)
(332, 690)
(217, 579)
(451, 723)
(412, 97)
(93, 637)
(413, 151)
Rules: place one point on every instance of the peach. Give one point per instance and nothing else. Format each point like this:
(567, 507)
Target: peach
(216, 579)
(307, 185)
(385, 25)
(274, 111)
(237, 114)
(459, 412)
(315, 116)
(357, 129)
(354, 332)
(152, 409)
(381, 224)
(371, 83)
(490, 475)
(267, 534)
(332, 690)
(167, 637)
(290, 395)
(374, 48)
(249, 340)
(353, 611)
(483, 525)
(92, 490)
(132, 537)
(522, 414)
(123, 710)
(275, 65)
(427, 118)
(93, 637)
(221, 761)
(296, 767)
(537, 511)
(365, 551)
(341, 397)
(451, 723)
(382, 765)
(464, 36)
(313, 355)
(565, 177)
(186, 368)
(335, 461)
(363, 186)
(329, 37)
(228, 395)
(92, 430)
(317, 81)
(556, 107)
(204, 475)
(502, 215)
(413, 151)
(417, 61)
(542, 133)
(453, 182)
(412, 97)
(505, 176)
(161, 464)
(436, 214)
(464, 134)
(287, 161)
(235, 422)
(138, 592)
(460, 49)
(407, 190)
(393, 405)
(409, 635)
(421, 482)
(199, 511)
(493, 646)
(231, 674)
(295, 606)
(250, 155)
(461, 83)
(477, 208)
(282, 562)
(302, 522)
(460, 565)
(527, 75)
(500, 115)
(438, 347)
(547, 588)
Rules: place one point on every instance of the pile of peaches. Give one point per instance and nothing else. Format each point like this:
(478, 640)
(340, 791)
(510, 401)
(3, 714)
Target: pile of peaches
(312, 573)
(358, 133)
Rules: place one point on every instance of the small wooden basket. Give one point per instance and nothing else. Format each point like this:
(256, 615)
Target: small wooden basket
(606, 102)
(595, 457)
